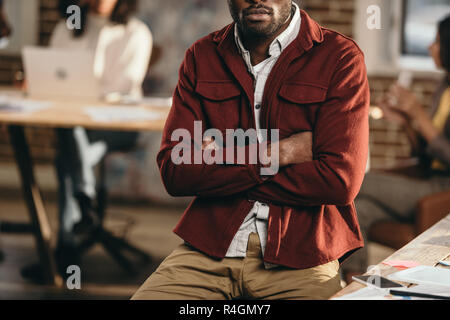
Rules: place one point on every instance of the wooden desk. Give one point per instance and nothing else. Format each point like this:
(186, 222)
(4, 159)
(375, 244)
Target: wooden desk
(61, 114)
(427, 249)
(69, 114)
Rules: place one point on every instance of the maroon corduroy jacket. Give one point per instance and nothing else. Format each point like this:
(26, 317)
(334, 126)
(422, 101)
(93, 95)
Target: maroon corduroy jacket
(319, 84)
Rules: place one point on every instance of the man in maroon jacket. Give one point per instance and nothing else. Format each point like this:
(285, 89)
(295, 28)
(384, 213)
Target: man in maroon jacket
(249, 233)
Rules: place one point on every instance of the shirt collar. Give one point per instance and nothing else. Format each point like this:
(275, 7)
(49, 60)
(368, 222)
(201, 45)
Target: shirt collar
(281, 42)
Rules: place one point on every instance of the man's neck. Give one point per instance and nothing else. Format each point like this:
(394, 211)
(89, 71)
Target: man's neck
(259, 47)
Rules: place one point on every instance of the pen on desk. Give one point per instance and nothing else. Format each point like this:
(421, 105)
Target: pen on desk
(445, 263)
(395, 292)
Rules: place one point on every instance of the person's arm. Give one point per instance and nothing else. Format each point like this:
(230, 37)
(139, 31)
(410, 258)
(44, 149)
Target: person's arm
(439, 148)
(198, 179)
(340, 147)
(437, 145)
(392, 115)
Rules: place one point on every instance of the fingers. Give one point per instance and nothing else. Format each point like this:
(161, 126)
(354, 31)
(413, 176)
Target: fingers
(206, 142)
(301, 147)
(209, 144)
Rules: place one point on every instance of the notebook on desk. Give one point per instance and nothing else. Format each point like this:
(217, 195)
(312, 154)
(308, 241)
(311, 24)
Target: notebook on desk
(60, 73)
(425, 275)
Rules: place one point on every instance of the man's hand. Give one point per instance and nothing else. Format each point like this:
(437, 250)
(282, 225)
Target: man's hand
(404, 101)
(209, 144)
(389, 113)
(295, 149)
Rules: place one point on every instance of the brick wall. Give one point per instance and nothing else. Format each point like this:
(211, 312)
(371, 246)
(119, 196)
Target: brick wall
(388, 142)
(337, 15)
(49, 17)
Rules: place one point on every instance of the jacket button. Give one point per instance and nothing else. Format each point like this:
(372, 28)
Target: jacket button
(258, 106)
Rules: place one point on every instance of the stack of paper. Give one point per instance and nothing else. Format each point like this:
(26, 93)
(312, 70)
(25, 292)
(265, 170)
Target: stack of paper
(121, 114)
(15, 104)
(401, 264)
(369, 293)
(424, 275)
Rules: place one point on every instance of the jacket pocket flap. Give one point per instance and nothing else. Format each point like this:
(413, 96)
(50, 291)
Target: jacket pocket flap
(217, 91)
(303, 93)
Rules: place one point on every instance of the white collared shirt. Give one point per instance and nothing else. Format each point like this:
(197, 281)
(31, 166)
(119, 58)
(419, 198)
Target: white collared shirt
(256, 220)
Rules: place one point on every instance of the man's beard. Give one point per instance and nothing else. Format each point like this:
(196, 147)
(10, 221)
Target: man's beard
(262, 31)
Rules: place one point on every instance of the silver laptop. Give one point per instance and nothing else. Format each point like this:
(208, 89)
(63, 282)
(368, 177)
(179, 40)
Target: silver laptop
(60, 73)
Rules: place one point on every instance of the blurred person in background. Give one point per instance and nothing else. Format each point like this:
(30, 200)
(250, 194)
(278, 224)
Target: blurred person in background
(123, 46)
(5, 29)
(387, 196)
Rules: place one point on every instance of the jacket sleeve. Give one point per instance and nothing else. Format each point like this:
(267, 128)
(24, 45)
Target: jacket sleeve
(340, 146)
(190, 179)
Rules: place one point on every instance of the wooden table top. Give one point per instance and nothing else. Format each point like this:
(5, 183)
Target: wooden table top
(69, 114)
(427, 249)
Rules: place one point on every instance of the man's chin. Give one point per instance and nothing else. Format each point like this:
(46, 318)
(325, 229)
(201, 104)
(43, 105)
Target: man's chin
(260, 30)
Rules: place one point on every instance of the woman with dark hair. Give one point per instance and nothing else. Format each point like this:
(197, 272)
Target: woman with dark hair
(122, 45)
(386, 196)
(5, 29)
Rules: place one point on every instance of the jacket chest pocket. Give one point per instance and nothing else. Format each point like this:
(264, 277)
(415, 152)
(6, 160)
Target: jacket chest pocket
(299, 103)
(221, 103)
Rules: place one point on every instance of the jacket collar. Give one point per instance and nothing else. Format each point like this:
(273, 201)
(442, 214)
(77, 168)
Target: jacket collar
(310, 33)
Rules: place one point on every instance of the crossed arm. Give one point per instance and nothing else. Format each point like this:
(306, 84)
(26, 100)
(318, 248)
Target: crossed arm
(325, 166)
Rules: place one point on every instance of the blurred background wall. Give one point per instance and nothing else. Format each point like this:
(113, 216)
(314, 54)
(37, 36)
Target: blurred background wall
(177, 24)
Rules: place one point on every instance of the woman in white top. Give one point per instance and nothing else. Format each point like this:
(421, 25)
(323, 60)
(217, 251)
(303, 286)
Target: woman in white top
(122, 46)
(122, 43)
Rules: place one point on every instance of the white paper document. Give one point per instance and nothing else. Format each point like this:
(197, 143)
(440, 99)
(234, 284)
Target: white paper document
(367, 293)
(16, 104)
(423, 275)
(370, 293)
(121, 114)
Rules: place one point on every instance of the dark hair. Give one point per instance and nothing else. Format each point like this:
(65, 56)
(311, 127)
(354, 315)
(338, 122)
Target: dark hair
(120, 15)
(444, 35)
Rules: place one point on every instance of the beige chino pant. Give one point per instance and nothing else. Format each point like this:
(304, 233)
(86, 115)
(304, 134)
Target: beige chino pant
(187, 274)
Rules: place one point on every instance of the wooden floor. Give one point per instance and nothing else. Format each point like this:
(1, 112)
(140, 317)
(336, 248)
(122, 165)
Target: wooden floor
(101, 277)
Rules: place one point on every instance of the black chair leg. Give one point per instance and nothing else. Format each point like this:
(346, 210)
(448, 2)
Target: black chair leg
(116, 254)
(115, 246)
(124, 245)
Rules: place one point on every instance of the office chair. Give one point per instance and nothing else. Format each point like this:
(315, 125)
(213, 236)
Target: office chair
(116, 246)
